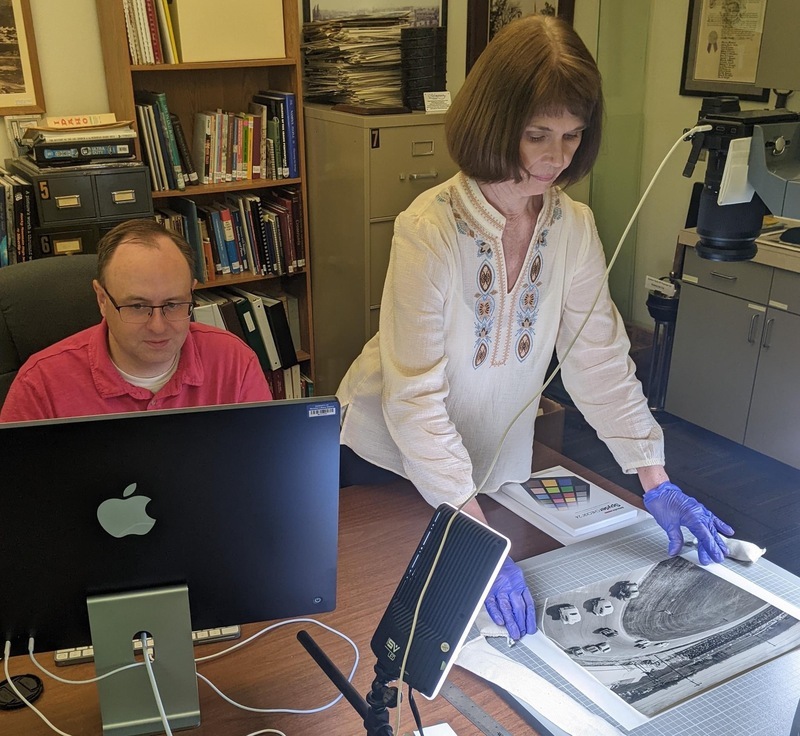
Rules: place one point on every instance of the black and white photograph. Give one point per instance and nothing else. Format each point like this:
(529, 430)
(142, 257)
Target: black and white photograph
(20, 83)
(423, 13)
(667, 632)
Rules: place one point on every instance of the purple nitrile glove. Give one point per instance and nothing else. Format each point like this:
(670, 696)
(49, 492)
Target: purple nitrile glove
(509, 601)
(672, 509)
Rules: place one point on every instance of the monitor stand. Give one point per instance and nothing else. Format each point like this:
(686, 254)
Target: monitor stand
(127, 703)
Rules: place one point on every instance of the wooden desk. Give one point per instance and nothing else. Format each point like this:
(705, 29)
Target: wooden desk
(379, 530)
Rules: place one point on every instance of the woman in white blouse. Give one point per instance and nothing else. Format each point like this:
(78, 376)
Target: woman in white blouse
(490, 272)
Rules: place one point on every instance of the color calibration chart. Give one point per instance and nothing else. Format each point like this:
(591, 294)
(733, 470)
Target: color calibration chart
(560, 493)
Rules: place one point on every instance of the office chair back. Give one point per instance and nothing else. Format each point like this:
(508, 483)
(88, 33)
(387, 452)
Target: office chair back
(42, 302)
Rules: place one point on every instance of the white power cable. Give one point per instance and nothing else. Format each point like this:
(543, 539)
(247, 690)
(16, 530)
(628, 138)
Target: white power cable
(23, 699)
(684, 137)
(148, 663)
(296, 711)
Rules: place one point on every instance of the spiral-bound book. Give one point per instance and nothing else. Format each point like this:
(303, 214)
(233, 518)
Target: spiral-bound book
(566, 500)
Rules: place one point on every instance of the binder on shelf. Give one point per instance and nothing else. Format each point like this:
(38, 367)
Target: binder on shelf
(279, 324)
(252, 333)
(262, 322)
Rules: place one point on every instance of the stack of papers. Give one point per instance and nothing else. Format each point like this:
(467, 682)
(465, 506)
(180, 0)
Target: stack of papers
(354, 60)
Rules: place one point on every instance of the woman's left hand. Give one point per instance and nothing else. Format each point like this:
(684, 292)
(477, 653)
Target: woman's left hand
(510, 602)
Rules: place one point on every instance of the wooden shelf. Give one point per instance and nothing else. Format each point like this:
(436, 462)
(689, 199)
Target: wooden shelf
(195, 65)
(228, 186)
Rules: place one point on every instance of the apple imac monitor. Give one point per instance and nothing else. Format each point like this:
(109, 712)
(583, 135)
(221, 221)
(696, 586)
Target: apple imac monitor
(164, 522)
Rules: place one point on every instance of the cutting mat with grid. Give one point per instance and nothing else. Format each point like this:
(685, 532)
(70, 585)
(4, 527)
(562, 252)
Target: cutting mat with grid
(761, 702)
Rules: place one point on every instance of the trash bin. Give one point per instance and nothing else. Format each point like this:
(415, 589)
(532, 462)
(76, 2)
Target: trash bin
(663, 308)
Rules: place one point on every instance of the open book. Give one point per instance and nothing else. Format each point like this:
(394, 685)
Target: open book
(566, 500)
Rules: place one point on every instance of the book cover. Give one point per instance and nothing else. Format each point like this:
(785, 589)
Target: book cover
(159, 101)
(290, 121)
(568, 501)
(187, 161)
(188, 209)
(202, 146)
(229, 237)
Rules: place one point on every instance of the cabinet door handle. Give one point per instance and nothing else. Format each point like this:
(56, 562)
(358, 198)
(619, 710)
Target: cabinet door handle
(427, 175)
(725, 276)
(751, 335)
(767, 332)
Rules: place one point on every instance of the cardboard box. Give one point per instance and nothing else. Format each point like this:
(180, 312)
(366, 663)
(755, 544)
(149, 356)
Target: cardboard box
(209, 30)
(549, 426)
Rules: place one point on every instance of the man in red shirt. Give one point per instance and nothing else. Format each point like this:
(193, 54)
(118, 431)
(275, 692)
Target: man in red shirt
(146, 353)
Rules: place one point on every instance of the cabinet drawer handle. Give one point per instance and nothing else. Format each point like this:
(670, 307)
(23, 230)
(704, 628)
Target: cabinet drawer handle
(123, 196)
(723, 276)
(751, 335)
(67, 201)
(767, 332)
(428, 175)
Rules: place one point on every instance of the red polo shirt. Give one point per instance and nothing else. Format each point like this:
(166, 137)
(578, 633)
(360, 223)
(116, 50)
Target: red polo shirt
(75, 377)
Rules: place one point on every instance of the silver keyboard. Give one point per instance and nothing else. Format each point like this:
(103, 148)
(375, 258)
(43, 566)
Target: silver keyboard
(79, 655)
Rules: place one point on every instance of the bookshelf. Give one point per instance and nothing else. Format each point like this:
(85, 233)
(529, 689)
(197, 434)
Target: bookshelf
(230, 85)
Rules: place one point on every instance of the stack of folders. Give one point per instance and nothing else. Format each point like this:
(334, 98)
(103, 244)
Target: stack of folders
(246, 232)
(268, 320)
(54, 146)
(354, 60)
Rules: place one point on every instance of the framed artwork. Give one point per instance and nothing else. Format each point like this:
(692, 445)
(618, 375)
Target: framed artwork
(487, 17)
(20, 81)
(424, 12)
(723, 41)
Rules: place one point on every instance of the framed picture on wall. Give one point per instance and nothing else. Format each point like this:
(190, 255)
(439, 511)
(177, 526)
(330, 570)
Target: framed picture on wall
(424, 12)
(723, 42)
(487, 17)
(20, 82)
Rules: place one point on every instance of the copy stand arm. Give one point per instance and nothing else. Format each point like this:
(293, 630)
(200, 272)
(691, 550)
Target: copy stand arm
(373, 710)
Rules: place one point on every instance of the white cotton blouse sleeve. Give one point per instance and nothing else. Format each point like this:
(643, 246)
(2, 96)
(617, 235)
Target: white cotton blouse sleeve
(598, 372)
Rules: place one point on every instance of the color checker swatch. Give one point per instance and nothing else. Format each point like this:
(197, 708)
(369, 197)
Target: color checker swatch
(566, 492)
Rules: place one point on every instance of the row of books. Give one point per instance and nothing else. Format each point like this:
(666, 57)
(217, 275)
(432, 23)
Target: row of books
(226, 146)
(151, 38)
(17, 219)
(268, 320)
(247, 232)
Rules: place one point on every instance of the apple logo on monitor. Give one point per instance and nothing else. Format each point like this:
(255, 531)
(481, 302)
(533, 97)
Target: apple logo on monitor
(127, 515)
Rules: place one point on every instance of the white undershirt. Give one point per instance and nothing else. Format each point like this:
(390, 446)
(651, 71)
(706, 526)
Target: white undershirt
(154, 384)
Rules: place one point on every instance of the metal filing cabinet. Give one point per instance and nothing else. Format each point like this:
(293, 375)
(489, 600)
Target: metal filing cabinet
(363, 170)
(76, 205)
(737, 342)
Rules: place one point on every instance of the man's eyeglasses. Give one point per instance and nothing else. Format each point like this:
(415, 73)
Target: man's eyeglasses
(138, 314)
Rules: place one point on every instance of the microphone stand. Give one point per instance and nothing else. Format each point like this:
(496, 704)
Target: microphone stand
(373, 710)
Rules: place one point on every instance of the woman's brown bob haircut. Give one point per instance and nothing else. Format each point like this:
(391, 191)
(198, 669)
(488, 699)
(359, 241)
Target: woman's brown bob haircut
(534, 66)
(144, 232)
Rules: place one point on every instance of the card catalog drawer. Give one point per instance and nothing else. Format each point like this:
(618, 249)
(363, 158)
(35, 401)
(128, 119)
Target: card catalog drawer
(125, 194)
(64, 199)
